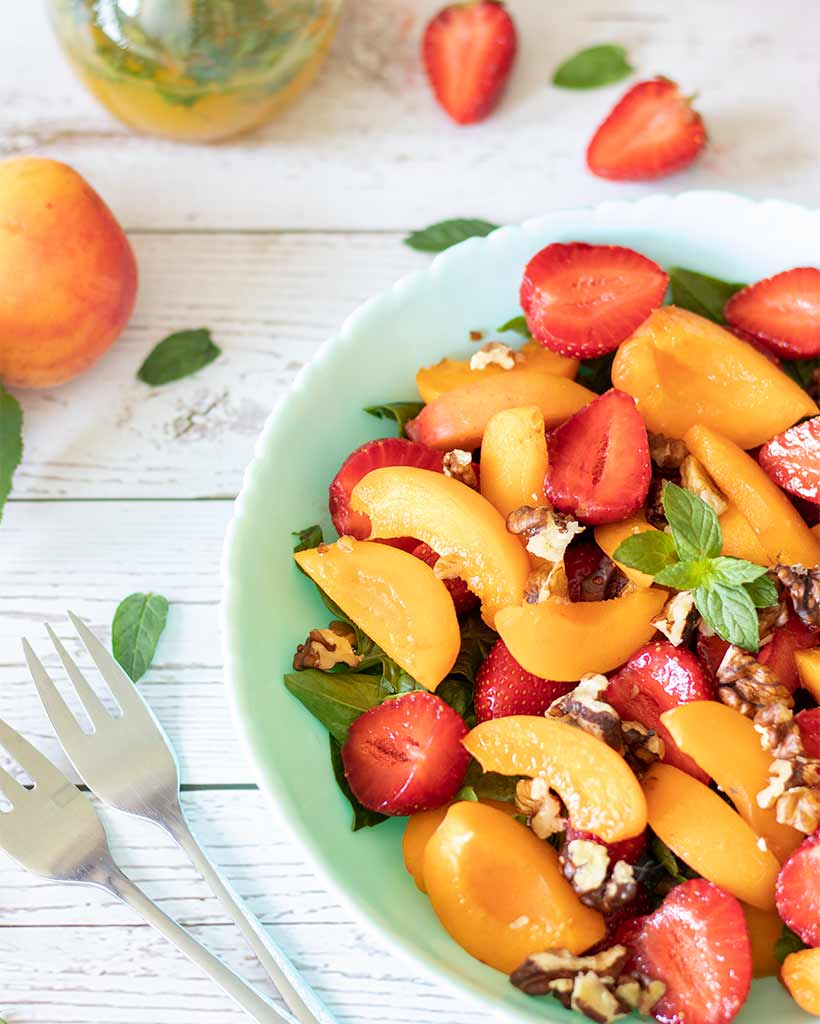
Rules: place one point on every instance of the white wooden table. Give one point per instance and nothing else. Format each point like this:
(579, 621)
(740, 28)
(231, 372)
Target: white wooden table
(271, 241)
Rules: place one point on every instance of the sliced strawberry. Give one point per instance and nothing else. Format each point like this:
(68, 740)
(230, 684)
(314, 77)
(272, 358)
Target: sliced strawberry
(463, 598)
(406, 754)
(591, 574)
(503, 687)
(468, 50)
(652, 131)
(388, 451)
(711, 652)
(656, 678)
(798, 891)
(778, 653)
(792, 460)
(808, 722)
(599, 466)
(583, 300)
(697, 944)
(783, 311)
(630, 850)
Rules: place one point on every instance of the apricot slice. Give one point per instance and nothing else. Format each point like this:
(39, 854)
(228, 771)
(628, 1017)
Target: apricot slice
(739, 539)
(394, 598)
(682, 369)
(455, 521)
(598, 787)
(782, 533)
(457, 419)
(765, 928)
(726, 746)
(808, 669)
(801, 976)
(709, 836)
(565, 641)
(499, 890)
(449, 374)
(609, 536)
(514, 459)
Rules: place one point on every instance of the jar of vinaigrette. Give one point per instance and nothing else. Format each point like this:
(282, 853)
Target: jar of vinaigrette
(196, 70)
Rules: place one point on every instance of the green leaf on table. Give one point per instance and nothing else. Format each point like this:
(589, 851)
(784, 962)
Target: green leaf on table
(401, 412)
(762, 591)
(788, 943)
(695, 526)
(177, 356)
(518, 324)
(731, 613)
(440, 236)
(138, 624)
(363, 817)
(596, 374)
(11, 442)
(801, 370)
(310, 537)
(336, 698)
(593, 67)
(650, 552)
(701, 293)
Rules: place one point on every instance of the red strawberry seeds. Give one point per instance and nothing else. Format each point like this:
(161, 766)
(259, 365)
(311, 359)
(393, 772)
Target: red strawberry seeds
(503, 687)
(783, 311)
(798, 891)
(792, 460)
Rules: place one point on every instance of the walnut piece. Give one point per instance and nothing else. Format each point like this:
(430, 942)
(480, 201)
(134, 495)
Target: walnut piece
(803, 586)
(677, 619)
(539, 970)
(800, 808)
(584, 708)
(695, 479)
(768, 619)
(655, 514)
(548, 581)
(543, 810)
(639, 992)
(548, 533)
(494, 353)
(458, 464)
(325, 648)
(667, 452)
(746, 685)
(599, 884)
(643, 746)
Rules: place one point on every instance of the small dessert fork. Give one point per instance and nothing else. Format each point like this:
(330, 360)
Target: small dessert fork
(128, 762)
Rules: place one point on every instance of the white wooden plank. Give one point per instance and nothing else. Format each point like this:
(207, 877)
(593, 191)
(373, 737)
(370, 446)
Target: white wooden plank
(367, 147)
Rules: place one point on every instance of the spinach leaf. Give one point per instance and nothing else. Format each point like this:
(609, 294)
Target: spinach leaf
(336, 698)
(11, 442)
(701, 293)
(362, 816)
(440, 236)
(177, 356)
(593, 67)
(596, 374)
(401, 412)
(138, 624)
(310, 537)
(518, 324)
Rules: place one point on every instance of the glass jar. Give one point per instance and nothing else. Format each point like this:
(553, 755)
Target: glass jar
(198, 70)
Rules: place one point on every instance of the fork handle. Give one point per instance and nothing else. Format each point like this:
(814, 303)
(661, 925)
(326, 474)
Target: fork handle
(252, 1003)
(297, 994)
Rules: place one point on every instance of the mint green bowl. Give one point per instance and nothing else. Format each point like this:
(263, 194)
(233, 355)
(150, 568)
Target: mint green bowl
(269, 607)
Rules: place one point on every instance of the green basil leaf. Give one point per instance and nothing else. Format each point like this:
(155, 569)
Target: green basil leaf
(733, 571)
(363, 817)
(731, 613)
(310, 537)
(650, 552)
(593, 67)
(401, 412)
(177, 356)
(596, 374)
(336, 698)
(517, 324)
(701, 293)
(467, 793)
(138, 624)
(11, 442)
(695, 526)
(681, 575)
(801, 370)
(440, 236)
(788, 942)
(762, 591)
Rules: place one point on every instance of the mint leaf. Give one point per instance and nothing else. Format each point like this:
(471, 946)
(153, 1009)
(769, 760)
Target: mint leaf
(336, 698)
(596, 374)
(11, 442)
(401, 412)
(363, 817)
(801, 370)
(700, 293)
(683, 575)
(763, 592)
(694, 524)
(736, 570)
(138, 624)
(650, 552)
(517, 324)
(729, 610)
(440, 236)
(177, 356)
(787, 943)
(310, 537)
(593, 67)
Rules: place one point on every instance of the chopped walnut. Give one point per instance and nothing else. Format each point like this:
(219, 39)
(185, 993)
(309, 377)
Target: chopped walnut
(768, 620)
(598, 883)
(592, 997)
(639, 992)
(745, 685)
(326, 648)
(643, 746)
(494, 353)
(667, 452)
(447, 567)
(548, 581)
(539, 970)
(655, 514)
(779, 733)
(584, 708)
(458, 464)
(803, 586)
(678, 617)
(548, 533)
(695, 479)
(543, 810)
(800, 808)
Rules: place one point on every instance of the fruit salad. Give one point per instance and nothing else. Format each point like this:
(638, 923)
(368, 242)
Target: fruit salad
(573, 636)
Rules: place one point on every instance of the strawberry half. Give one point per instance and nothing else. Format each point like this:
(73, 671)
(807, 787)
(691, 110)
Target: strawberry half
(599, 468)
(503, 687)
(583, 300)
(468, 50)
(388, 451)
(792, 460)
(697, 944)
(463, 598)
(406, 754)
(798, 891)
(778, 653)
(656, 678)
(711, 651)
(783, 311)
(652, 131)
(809, 724)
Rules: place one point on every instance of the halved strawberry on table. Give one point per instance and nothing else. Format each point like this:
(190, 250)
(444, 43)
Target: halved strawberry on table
(783, 311)
(503, 687)
(792, 460)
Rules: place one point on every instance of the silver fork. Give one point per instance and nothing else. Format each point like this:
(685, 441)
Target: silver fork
(128, 762)
(54, 831)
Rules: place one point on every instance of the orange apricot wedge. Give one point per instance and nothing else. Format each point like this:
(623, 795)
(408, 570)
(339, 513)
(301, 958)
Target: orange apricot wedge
(739, 539)
(609, 535)
(709, 836)
(455, 521)
(726, 746)
(781, 530)
(499, 890)
(394, 598)
(682, 369)
(801, 976)
(449, 374)
(808, 669)
(765, 928)
(514, 459)
(457, 419)
(564, 641)
(597, 786)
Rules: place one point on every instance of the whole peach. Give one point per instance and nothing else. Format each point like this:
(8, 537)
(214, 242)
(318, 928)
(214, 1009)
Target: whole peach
(68, 277)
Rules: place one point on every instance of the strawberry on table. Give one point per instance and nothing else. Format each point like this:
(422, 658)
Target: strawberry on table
(503, 687)
(468, 50)
(798, 891)
(792, 460)
(583, 300)
(463, 598)
(652, 131)
(783, 311)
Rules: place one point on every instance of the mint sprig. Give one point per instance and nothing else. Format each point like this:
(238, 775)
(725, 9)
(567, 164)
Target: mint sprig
(726, 591)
